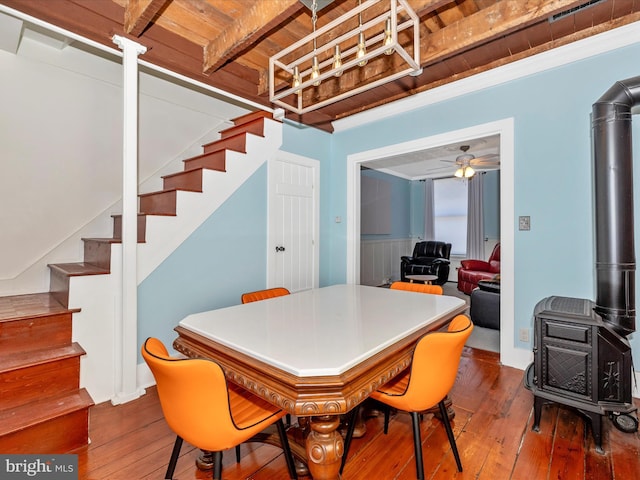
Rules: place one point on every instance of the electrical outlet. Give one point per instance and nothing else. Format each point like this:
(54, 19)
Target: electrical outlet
(524, 335)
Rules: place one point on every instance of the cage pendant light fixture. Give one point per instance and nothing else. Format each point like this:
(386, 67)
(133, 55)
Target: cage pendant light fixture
(328, 65)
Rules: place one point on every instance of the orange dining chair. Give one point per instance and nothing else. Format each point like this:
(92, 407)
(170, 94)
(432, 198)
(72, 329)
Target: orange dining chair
(417, 287)
(425, 383)
(202, 408)
(264, 294)
(256, 297)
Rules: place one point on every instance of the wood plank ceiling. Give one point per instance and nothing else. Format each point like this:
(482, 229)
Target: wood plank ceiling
(227, 43)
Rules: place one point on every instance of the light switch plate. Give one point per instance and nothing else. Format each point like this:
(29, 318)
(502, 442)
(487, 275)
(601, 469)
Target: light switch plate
(524, 223)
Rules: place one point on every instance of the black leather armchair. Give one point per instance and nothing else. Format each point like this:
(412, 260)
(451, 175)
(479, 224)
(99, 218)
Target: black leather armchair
(429, 258)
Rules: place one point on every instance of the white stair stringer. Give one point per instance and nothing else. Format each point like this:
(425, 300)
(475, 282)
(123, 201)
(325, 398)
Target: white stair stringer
(99, 296)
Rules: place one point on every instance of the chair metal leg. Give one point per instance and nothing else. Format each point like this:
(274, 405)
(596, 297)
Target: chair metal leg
(287, 450)
(417, 445)
(387, 411)
(217, 465)
(237, 453)
(349, 436)
(174, 458)
(452, 439)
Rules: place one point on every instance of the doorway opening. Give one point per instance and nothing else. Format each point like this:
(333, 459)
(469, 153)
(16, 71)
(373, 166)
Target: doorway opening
(505, 129)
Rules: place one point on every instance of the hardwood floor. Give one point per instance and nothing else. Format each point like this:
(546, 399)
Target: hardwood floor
(492, 426)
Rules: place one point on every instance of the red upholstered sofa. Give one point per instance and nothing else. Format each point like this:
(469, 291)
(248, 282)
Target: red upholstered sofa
(472, 271)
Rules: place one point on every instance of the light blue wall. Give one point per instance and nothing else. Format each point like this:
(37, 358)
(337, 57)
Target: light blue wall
(400, 205)
(553, 178)
(491, 204)
(222, 259)
(552, 184)
(417, 209)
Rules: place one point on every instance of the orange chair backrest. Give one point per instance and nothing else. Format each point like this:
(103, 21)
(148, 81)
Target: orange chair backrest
(193, 396)
(417, 287)
(264, 294)
(435, 365)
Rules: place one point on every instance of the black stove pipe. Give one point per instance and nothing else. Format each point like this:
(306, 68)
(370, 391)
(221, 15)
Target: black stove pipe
(613, 160)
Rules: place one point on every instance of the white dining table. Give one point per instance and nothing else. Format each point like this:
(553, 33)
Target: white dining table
(317, 353)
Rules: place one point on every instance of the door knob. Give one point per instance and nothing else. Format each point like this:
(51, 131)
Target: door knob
(279, 249)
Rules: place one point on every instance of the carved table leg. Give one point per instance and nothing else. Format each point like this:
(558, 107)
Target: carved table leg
(324, 448)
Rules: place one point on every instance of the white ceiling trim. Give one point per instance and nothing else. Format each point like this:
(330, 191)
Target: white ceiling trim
(573, 52)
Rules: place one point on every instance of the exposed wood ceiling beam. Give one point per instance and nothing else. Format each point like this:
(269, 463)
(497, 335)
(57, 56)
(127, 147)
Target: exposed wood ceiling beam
(488, 24)
(259, 18)
(139, 13)
(458, 37)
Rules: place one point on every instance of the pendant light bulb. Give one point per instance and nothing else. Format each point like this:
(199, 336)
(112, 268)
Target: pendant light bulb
(337, 62)
(362, 49)
(388, 38)
(296, 77)
(315, 71)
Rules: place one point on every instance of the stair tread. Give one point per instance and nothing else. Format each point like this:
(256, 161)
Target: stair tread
(103, 240)
(15, 361)
(78, 269)
(251, 116)
(223, 144)
(33, 305)
(32, 413)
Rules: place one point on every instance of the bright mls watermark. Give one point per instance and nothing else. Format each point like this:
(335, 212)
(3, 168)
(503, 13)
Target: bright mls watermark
(45, 466)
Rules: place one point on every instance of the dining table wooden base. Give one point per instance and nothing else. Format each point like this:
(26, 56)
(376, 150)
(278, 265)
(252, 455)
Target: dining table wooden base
(325, 448)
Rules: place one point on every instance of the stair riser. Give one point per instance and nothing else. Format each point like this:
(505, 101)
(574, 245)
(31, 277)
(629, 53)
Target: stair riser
(98, 253)
(189, 180)
(142, 227)
(23, 385)
(59, 435)
(35, 333)
(236, 143)
(160, 203)
(255, 127)
(211, 161)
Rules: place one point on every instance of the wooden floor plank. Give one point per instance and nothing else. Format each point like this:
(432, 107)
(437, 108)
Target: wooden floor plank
(492, 427)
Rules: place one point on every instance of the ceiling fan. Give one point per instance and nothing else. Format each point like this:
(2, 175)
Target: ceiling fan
(468, 163)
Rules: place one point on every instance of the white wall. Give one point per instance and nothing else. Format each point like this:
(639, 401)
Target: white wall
(61, 150)
(380, 260)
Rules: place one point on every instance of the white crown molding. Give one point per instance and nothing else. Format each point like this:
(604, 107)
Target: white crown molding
(573, 52)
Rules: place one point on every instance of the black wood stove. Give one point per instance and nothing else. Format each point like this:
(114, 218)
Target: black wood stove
(582, 356)
(579, 361)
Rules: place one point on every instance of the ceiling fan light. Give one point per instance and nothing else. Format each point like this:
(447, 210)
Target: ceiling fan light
(459, 173)
(469, 172)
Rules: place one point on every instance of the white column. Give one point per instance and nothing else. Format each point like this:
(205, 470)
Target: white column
(126, 341)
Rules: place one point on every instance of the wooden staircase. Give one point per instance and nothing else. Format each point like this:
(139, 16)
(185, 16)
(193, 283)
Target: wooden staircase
(42, 408)
(97, 251)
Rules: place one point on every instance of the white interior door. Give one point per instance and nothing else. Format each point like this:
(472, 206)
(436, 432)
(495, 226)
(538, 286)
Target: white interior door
(293, 222)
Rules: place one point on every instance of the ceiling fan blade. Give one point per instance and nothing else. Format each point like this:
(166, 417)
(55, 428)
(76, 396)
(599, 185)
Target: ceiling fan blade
(486, 168)
(490, 159)
(485, 165)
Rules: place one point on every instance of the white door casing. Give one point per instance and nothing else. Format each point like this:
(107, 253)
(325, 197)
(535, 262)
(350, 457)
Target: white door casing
(293, 222)
(509, 354)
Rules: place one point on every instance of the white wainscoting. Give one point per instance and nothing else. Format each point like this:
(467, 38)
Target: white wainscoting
(380, 259)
